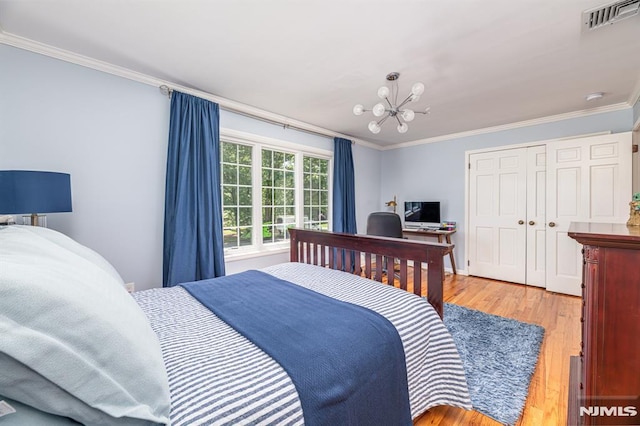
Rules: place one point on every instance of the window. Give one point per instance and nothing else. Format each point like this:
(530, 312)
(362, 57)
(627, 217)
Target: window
(316, 192)
(237, 199)
(278, 194)
(267, 189)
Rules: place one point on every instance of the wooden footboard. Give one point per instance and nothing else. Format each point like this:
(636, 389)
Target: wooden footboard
(361, 254)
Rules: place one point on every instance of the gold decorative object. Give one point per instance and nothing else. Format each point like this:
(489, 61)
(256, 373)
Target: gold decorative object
(634, 211)
(392, 203)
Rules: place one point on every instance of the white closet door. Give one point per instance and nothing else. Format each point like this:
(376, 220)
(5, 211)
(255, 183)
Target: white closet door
(536, 201)
(588, 180)
(497, 210)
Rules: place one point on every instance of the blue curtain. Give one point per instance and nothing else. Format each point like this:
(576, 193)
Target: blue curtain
(344, 190)
(193, 246)
(344, 194)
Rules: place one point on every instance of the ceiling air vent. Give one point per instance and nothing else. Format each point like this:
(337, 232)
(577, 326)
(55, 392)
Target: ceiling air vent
(609, 14)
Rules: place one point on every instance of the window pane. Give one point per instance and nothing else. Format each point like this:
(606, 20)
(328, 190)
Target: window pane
(229, 152)
(279, 213)
(278, 160)
(267, 215)
(267, 234)
(229, 237)
(289, 180)
(267, 197)
(324, 167)
(244, 196)
(245, 236)
(278, 178)
(244, 155)
(278, 197)
(229, 173)
(267, 177)
(229, 195)
(229, 217)
(289, 161)
(267, 160)
(244, 175)
(245, 216)
(306, 164)
(290, 197)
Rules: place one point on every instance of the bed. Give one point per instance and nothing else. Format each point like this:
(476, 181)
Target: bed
(75, 346)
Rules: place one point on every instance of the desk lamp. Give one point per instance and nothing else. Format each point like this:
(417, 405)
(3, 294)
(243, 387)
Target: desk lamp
(26, 191)
(393, 203)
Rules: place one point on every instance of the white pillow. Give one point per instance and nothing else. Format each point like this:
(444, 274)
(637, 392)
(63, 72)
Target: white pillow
(88, 350)
(75, 247)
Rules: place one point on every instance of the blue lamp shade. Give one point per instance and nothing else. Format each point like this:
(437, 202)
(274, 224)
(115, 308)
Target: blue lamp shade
(25, 191)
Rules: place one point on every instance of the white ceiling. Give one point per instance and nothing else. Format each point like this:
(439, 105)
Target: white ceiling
(484, 63)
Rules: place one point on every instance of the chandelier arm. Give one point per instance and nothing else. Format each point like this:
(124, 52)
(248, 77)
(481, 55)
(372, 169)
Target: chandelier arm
(399, 121)
(425, 112)
(383, 119)
(389, 102)
(406, 101)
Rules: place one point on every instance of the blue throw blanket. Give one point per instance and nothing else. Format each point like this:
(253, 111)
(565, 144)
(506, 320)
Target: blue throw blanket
(347, 362)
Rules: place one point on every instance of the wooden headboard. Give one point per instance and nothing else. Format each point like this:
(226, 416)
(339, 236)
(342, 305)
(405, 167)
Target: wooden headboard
(363, 252)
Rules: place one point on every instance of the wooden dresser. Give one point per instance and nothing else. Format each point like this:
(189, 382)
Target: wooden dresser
(607, 372)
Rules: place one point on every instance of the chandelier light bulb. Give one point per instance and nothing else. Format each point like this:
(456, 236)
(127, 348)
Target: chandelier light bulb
(378, 110)
(358, 109)
(374, 127)
(402, 128)
(408, 115)
(417, 89)
(383, 92)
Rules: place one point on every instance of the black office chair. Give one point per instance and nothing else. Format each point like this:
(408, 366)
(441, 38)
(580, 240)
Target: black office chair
(384, 224)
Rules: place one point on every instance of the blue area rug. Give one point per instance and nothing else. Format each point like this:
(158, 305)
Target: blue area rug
(499, 356)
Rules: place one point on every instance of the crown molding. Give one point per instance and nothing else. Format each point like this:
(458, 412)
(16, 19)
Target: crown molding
(510, 126)
(227, 104)
(635, 95)
(286, 122)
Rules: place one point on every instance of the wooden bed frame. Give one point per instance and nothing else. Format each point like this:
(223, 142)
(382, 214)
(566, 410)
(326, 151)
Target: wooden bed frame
(314, 247)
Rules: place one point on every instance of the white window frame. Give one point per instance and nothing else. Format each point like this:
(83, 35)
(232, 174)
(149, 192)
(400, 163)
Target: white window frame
(257, 143)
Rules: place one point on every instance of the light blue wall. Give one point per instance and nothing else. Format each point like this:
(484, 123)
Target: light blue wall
(436, 171)
(110, 133)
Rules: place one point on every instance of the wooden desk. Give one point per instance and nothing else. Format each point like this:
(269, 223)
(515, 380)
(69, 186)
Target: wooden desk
(437, 233)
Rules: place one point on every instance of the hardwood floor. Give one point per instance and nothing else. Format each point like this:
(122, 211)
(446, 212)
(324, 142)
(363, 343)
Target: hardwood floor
(560, 317)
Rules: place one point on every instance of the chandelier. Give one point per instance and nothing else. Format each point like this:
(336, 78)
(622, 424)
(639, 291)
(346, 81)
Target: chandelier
(392, 108)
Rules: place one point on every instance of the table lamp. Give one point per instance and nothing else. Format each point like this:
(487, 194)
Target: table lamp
(26, 191)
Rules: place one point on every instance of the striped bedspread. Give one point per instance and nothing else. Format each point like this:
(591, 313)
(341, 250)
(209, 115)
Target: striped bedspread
(216, 376)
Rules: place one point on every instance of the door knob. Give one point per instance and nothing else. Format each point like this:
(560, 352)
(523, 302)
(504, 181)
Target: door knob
(521, 222)
(552, 224)
(531, 223)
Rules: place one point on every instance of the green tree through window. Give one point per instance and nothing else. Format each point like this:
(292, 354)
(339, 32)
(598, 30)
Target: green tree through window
(261, 197)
